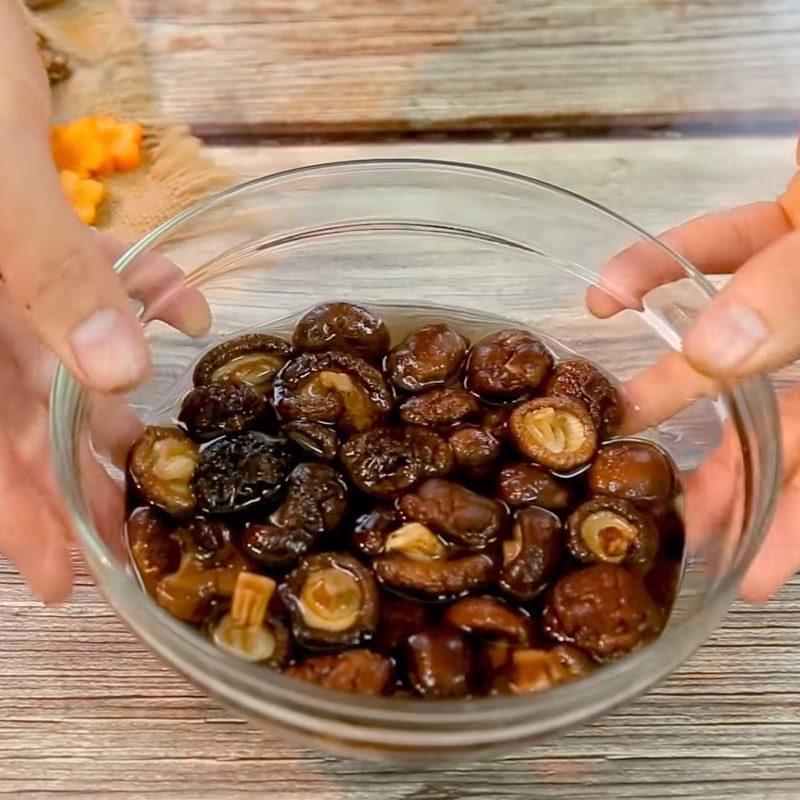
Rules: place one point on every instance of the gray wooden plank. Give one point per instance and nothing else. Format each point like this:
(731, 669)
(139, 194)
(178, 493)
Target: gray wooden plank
(271, 67)
(86, 711)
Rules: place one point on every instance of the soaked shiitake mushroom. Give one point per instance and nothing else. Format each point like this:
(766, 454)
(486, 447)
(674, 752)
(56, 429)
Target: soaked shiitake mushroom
(400, 619)
(316, 500)
(217, 408)
(313, 438)
(604, 610)
(274, 547)
(507, 365)
(342, 326)
(161, 465)
(253, 359)
(332, 599)
(532, 555)
(385, 462)
(436, 579)
(188, 592)
(495, 420)
(429, 356)
(526, 484)
(583, 381)
(466, 519)
(155, 551)
(474, 447)
(613, 531)
(240, 471)
(556, 432)
(372, 528)
(360, 671)
(245, 631)
(440, 407)
(634, 470)
(417, 542)
(491, 618)
(335, 388)
(440, 663)
(531, 670)
(209, 539)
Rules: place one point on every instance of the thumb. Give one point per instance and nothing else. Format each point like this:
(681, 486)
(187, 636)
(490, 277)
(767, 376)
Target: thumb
(55, 268)
(753, 324)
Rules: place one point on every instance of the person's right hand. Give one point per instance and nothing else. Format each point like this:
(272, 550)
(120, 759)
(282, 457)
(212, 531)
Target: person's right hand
(751, 326)
(59, 295)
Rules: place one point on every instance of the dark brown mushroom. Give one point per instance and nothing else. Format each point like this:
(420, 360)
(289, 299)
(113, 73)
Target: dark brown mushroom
(528, 671)
(526, 484)
(474, 447)
(440, 407)
(358, 671)
(612, 530)
(556, 432)
(604, 610)
(400, 619)
(532, 555)
(274, 547)
(633, 469)
(342, 326)
(429, 356)
(161, 465)
(466, 519)
(372, 528)
(440, 663)
(507, 365)
(332, 599)
(335, 388)
(253, 359)
(154, 549)
(583, 381)
(385, 462)
(313, 438)
(218, 408)
(490, 618)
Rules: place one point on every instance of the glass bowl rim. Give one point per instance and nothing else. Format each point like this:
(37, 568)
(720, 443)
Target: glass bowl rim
(66, 413)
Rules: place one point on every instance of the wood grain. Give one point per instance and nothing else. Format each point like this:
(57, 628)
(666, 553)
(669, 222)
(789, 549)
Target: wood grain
(273, 67)
(86, 711)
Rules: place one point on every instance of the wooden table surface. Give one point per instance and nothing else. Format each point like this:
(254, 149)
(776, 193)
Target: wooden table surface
(86, 711)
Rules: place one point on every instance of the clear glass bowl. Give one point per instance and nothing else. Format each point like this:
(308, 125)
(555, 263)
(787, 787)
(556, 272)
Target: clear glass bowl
(424, 232)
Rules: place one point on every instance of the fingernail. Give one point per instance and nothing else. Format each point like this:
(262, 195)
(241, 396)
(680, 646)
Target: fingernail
(109, 352)
(725, 337)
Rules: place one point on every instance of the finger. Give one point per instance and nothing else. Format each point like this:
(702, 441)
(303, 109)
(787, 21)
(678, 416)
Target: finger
(160, 286)
(114, 427)
(753, 324)
(661, 391)
(714, 244)
(32, 533)
(779, 556)
(50, 262)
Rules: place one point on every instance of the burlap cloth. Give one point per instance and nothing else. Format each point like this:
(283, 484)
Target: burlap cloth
(110, 75)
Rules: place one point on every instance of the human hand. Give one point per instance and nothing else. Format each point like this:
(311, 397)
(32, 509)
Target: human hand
(59, 297)
(752, 326)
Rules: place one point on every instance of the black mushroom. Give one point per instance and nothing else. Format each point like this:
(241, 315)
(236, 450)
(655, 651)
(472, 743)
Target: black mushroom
(635, 470)
(583, 381)
(313, 438)
(316, 500)
(273, 547)
(371, 529)
(612, 530)
(386, 462)
(253, 359)
(332, 599)
(524, 484)
(491, 618)
(464, 518)
(248, 631)
(532, 670)
(429, 356)
(218, 408)
(155, 550)
(358, 671)
(440, 407)
(604, 610)
(334, 388)
(239, 472)
(532, 555)
(342, 326)
(507, 365)
(400, 619)
(161, 465)
(441, 663)
(474, 447)
(556, 432)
